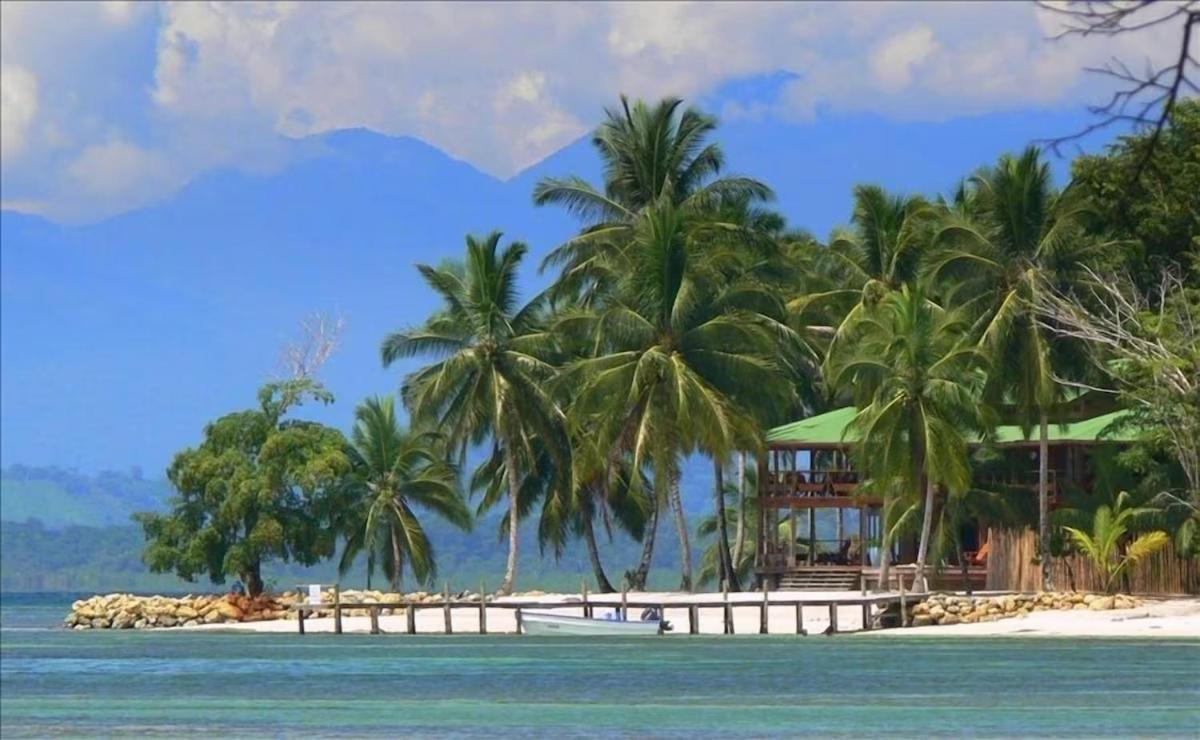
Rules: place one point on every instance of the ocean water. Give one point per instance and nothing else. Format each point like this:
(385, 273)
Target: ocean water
(55, 682)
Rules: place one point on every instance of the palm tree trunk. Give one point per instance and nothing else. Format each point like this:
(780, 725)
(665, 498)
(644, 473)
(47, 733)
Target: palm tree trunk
(885, 548)
(739, 537)
(397, 567)
(252, 578)
(926, 530)
(685, 547)
(514, 485)
(1044, 500)
(589, 536)
(728, 571)
(638, 582)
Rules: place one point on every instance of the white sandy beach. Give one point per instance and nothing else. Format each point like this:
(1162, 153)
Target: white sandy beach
(1176, 618)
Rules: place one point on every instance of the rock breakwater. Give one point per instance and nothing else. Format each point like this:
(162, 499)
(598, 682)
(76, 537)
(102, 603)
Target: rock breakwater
(953, 609)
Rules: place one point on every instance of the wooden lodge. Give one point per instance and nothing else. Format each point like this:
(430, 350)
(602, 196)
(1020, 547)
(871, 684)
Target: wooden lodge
(814, 520)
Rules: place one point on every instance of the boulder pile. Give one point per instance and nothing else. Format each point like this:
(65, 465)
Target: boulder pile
(952, 609)
(127, 611)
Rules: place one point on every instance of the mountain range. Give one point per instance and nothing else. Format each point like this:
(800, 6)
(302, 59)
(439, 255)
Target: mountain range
(121, 338)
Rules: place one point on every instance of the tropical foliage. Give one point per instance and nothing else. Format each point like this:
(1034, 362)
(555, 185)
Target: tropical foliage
(685, 317)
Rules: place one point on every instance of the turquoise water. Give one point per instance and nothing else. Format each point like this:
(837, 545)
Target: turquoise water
(60, 683)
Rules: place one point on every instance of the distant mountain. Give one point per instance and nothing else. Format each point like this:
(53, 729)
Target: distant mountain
(119, 340)
(58, 498)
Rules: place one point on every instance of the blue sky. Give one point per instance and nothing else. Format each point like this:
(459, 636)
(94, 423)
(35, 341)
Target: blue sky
(176, 195)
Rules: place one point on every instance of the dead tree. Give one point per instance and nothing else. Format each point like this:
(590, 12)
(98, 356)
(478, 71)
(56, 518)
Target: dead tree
(1144, 99)
(317, 340)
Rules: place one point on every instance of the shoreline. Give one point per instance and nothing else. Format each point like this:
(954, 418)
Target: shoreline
(1164, 617)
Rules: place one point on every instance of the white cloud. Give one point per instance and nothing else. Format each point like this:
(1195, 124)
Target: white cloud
(19, 104)
(172, 91)
(893, 60)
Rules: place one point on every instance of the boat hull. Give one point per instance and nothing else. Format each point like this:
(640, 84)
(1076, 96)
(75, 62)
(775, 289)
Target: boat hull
(535, 623)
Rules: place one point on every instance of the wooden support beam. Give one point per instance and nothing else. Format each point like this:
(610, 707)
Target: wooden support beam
(833, 618)
(903, 606)
(410, 618)
(587, 610)
(763, 626)
(800, 619)
(728, 614)
(693, 619)
(300, 619)
(337, 609)
(374, 610)
(519, 620)
(624, 603)
(866, 617)
(482, 609)
(446, 609)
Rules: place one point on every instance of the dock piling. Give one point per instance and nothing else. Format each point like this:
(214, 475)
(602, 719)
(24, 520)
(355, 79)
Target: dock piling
(800, 619)
(482, 609)
(833, 615)
(446, 609)
(693, 619)
(410, 618)
(763, 627)
(728, 613)
(374, 610)
(337, 609)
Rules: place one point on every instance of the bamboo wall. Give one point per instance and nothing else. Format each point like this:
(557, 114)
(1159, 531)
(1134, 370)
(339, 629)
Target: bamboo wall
(1011, 567)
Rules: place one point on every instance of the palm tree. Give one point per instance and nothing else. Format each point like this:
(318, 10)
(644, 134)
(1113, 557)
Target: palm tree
(393, 472)
(1010, 239)
(678, 357)
(1110, 546)
(880, 253)
(915, 380)
(494, 361)
(651, 153)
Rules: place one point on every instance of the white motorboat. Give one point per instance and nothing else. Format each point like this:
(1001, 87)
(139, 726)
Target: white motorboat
(543, 623)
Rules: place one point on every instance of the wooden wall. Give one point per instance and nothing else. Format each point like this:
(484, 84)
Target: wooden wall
(1011, 567)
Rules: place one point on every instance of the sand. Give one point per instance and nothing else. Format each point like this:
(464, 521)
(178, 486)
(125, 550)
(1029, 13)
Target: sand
(1156, 618)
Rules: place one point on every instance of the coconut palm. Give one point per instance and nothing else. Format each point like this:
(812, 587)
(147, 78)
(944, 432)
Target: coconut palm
(678, 358)
(915, 379)
(394, 474)
(1011, 239)
(651, 153)
(1111, 546)
(879, 253)
(494, 359)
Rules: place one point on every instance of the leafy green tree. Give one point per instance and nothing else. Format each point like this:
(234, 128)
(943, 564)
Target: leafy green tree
(915, 377)
(680, 353)
(1024, 240)
(1157, 213)
(259, 487)
(494, 360)
(395, 473)
(1110, 544)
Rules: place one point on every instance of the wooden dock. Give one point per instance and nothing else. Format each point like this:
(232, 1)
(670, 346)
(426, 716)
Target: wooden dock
(873, 606)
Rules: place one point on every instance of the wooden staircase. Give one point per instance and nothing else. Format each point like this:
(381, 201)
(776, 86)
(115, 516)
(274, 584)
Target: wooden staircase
(820, 579)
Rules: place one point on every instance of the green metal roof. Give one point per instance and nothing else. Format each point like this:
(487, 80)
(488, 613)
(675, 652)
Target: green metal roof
(829, 429)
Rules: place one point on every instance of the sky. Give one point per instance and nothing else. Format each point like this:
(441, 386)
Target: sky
(110, 106)
(181, 183)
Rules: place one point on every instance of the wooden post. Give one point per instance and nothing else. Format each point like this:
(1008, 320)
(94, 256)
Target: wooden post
(374, 620)
(862, 546)
(446, 609)
(337, 609)
(866, 616)
(587, 610)
(482, 610)
(693, 619)
(300, 615)
(728, 614)
(903, 606)
(763, 627)
(410, 618)
(812, 536)
(518, 620)
(800, 618)
(833, 625)
(624, 603)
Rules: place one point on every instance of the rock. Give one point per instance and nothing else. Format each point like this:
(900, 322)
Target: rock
(950, 619)
(1089, 598)
(123, 621)
(921, 620)
(920, 608)
(1079, 606)
(937, 612)
(211, 616)
(1076, 598)
(1103, 603)
(228, 611)
(167, 621)
(186, 612)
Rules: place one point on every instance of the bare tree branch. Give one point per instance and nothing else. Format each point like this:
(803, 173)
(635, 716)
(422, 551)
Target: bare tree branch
(1147, 98)
(318, 338)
